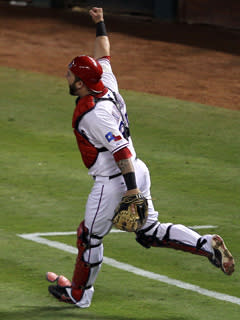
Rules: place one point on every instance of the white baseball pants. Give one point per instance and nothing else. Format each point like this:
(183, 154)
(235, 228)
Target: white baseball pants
(104, 198)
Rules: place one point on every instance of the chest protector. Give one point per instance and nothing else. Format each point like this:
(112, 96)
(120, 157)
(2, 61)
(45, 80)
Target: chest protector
(88, 151)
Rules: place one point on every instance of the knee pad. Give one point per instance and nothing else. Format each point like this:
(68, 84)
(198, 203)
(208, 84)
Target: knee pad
(147, 241)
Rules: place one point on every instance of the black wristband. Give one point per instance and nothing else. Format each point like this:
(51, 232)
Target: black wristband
(130, 180)
(101, 29)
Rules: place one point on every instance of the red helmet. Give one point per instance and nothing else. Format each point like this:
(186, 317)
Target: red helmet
(89, 71)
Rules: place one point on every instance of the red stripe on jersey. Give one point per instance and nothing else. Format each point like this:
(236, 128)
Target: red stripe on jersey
(105, 57)
(122, 154)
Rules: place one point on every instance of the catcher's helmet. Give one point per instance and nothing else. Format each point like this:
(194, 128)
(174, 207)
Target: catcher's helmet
(89, 71)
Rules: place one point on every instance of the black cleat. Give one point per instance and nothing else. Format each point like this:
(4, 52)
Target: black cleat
(60, 293)
(222, 257)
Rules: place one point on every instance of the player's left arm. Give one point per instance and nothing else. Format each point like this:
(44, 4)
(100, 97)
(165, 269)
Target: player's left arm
(102, 44)
(124, 162)
(105, 133)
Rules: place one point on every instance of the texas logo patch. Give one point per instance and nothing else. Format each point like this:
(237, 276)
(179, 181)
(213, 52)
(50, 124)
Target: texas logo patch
(110, 136)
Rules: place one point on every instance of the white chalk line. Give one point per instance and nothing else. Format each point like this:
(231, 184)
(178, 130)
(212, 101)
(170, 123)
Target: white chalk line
(37, 237)
(68, 233)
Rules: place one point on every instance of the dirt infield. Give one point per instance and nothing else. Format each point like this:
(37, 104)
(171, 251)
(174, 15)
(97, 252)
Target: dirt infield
(195, 63)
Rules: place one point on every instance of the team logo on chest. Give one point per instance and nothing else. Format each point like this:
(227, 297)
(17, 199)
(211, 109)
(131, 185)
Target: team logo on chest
(110, 136)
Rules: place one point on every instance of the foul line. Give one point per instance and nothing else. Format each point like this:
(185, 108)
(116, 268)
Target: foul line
(37, 237)
(68, 233)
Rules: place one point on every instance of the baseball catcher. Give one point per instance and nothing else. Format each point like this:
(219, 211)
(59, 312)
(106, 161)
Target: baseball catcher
(120, 195)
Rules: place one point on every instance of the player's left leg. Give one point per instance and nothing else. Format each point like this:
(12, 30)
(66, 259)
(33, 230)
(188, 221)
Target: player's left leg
(103, 199)
(87, 266)
(58, 289)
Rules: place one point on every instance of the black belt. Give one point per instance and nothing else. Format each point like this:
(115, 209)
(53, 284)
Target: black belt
(115, 175)
(111, 177)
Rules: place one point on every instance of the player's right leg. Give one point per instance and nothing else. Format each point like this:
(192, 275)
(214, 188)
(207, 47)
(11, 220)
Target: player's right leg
(222, 257)
(180, 237)
(177, 236)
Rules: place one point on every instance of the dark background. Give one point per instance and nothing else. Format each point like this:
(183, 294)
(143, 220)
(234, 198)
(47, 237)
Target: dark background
(212, 12)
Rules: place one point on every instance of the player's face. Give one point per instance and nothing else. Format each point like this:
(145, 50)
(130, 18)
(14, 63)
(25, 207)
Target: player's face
(71, 83)
(73, 89)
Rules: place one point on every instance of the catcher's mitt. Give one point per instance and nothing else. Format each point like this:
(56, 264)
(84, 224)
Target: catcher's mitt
(131, 213)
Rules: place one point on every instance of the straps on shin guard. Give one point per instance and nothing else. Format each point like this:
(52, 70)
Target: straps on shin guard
(82, 271)
(178, 245)
(147, 240)
(152, 241)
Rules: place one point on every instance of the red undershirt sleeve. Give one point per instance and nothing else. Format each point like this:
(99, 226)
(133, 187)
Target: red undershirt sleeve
(105, 57)
(124, 153)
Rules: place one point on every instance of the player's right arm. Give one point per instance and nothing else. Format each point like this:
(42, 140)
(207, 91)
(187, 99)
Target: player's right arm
(102, 49)
(102, 44)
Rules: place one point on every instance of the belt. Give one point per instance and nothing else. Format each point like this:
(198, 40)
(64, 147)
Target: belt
(115, 175)
(111, 177)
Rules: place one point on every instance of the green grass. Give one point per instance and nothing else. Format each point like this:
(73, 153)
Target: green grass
(193, 154)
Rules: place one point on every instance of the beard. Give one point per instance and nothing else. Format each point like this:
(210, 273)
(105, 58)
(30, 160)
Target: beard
(72, 89)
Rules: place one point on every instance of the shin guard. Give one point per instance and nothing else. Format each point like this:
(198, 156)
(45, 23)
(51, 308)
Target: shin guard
(178, 240)
(88, 262)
